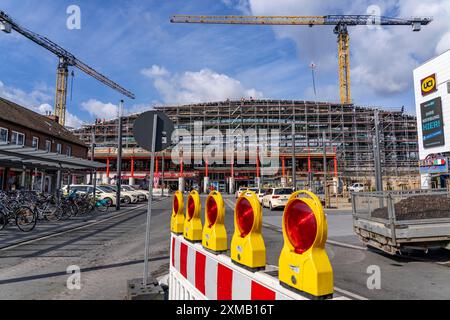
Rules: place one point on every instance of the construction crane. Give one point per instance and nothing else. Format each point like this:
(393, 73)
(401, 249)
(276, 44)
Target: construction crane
(341, 22)
(66, 60)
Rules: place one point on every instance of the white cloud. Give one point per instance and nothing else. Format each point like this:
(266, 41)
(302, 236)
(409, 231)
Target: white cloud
(73, 121)
(204, 85)
(382, 60)
(38, 100)
(444, 44)
(155, 71)
(100, 109)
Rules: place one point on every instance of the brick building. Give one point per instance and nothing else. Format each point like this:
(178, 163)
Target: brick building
(20, 126)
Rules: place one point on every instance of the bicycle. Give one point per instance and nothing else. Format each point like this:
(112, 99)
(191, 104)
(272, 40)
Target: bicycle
(24, 217)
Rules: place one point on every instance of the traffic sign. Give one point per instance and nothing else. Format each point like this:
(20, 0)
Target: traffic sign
(143, 131)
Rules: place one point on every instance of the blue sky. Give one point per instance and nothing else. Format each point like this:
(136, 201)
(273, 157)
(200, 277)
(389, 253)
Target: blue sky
(134, 44)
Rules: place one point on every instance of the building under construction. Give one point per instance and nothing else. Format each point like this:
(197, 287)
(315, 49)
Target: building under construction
(340, 136)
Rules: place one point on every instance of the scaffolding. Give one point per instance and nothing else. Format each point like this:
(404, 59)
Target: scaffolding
(349, 132)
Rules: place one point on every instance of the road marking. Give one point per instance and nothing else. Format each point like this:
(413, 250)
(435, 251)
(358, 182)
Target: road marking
(71, 230)
(350, 294)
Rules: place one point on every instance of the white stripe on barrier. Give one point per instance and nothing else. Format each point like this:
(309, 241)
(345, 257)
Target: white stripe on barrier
(211, 279)
(191, 265)
(242, 287)
(177, 254)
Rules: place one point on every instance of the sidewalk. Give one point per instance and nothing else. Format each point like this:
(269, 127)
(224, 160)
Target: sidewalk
(11, 235)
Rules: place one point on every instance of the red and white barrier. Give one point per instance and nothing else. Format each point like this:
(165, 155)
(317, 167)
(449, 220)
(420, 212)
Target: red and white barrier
(196, 274)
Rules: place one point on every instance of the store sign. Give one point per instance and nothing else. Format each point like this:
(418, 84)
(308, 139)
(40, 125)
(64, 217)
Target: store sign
(428, 85)
(434, 164)
(432, 123)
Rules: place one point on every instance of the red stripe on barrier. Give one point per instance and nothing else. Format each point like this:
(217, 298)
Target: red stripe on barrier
(183, 260)
(224, 283)
(200, 268)
(173, 252)
(260, 292)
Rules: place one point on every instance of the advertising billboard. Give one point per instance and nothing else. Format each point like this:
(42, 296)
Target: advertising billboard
(432, 123)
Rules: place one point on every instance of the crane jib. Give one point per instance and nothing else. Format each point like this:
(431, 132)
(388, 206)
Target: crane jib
(66, 58)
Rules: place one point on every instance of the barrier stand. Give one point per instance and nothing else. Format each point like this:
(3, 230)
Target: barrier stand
(177, 220)
(193, 222)
(304, 265)
(247, 246)
(215, 237)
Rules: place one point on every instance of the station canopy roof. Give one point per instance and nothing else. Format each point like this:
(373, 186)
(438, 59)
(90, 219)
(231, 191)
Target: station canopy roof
(18, 156)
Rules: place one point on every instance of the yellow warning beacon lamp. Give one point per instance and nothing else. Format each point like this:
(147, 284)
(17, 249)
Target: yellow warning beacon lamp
(193, 221)
(215, 237)
(247, 246)
(177, 220)
(304, 265)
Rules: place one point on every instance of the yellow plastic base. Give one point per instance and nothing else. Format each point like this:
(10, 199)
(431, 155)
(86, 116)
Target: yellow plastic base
(177, 224)
(249, 251)
(193, 230)
(215, 238)
(310, 273)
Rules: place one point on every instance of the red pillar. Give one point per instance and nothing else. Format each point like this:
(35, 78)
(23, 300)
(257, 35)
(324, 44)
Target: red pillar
(181, 168)
(283, 165)
(258, 172)
(108, 169)
(335, 167)
(309, 162)
(132, 167)
(157, 165)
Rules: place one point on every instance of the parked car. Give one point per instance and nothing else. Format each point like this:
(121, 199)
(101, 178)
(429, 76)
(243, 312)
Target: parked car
(276, 198)
(356, 187)
(128, 197)
(141, 194)
(243, 189)
(102, 194)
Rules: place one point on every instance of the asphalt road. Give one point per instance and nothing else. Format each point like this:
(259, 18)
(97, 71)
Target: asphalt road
(401, 278)
(110, 249)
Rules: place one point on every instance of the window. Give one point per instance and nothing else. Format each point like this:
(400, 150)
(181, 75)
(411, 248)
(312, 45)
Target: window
(48, 146)
(3, 135)
(35, 143)
(59, 148)
(18, 138)
(69, 151)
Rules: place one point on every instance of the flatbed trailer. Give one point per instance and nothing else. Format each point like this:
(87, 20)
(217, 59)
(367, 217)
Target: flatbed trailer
(397, 221)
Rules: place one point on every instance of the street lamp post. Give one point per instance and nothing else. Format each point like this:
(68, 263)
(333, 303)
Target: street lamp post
(119, 158)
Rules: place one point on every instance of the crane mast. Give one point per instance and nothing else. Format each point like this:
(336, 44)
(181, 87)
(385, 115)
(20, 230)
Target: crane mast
(341, 22)
(66, 60)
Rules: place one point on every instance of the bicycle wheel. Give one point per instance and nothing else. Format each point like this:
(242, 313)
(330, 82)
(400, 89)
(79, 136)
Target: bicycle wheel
(25, 219)
(101, 207)
(54, 214)
(3, 221)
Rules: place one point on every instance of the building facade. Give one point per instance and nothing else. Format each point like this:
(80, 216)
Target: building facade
(432, 90)
(23, 127)
(311, 131)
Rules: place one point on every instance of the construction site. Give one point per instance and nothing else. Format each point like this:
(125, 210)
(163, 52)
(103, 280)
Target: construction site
(343, 134)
